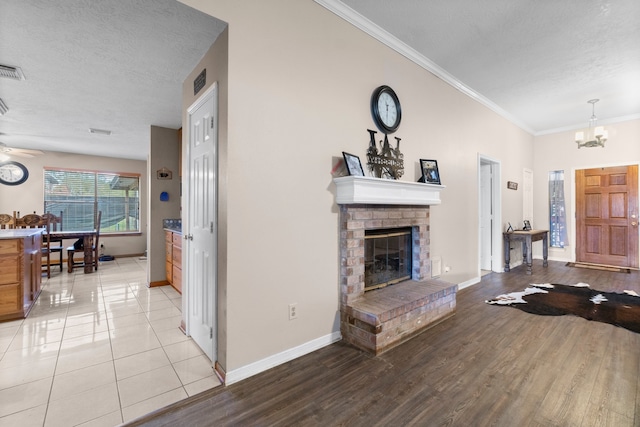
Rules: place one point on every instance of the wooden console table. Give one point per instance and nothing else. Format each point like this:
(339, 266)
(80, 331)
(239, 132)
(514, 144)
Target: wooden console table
(527, 238)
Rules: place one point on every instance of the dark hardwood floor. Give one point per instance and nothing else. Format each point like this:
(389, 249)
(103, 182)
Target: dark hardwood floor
(486, 366)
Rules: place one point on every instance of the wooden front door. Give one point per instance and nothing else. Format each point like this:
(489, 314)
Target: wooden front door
(607, 216)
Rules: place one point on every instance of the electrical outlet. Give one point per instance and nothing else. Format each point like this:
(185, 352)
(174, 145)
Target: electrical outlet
(293, 311)
(447, 269)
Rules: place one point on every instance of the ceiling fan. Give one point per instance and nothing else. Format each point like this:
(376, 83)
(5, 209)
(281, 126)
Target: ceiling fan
(19, 152)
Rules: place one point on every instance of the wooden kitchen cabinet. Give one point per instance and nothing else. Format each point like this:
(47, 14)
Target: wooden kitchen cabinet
(20, 271)
(173, 259)
(177, 261)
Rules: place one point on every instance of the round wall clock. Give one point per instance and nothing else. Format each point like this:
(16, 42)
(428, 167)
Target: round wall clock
(385, 108)
(13, 173)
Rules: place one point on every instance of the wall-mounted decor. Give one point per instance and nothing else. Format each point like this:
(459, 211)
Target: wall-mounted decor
(512, 185)
(387, 162)
(385, 109)
(430, 172)
(164, 173)
(354, 166)
(199, 82)
(13, 173)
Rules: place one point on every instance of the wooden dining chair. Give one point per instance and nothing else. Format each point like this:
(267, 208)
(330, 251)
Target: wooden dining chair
(37, 221)
(6, 222)
(55, 244)
(95, 248)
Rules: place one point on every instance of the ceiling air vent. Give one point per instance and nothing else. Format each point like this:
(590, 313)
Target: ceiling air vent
(11, 72)
(3, 108)
(100, 131)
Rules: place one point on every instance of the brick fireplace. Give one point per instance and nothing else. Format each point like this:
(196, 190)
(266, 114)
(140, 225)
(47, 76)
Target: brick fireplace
(381, 319)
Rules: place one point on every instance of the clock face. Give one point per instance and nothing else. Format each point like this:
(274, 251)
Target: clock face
(385, 108)
(13, 173)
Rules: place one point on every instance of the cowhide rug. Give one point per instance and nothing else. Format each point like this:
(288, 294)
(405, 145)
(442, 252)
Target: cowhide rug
(580, 300)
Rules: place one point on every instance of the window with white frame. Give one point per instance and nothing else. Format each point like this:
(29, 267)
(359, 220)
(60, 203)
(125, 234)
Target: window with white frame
(80, 194)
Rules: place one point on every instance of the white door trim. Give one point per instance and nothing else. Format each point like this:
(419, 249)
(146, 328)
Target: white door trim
(496, 224)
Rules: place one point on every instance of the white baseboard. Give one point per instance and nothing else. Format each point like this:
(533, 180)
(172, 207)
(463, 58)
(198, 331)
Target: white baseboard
(468, 283)
(254, 368)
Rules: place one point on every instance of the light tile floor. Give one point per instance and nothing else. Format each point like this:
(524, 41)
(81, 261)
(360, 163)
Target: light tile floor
(98, 349)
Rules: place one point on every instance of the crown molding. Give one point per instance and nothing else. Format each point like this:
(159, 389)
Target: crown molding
(601, 122)
(364, 24)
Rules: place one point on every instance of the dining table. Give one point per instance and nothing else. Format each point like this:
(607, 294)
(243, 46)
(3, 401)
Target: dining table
(87, 237)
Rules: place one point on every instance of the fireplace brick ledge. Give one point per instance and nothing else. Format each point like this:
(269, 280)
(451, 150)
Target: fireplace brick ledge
(368, 190)
(382, 319)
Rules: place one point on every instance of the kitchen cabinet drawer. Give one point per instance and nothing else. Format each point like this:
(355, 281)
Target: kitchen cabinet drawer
(168, 252)
(177, 279)
(177, 257)
(169, 270)
(9, 270)
(177, 240)
(10, 299)
(168, 236)
(12, 246)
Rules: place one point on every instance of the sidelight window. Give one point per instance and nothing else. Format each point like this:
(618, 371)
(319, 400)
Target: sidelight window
(557, 211)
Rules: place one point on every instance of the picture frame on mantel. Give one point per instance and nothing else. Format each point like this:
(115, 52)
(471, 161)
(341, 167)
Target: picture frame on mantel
(354, 166)
(430, 172)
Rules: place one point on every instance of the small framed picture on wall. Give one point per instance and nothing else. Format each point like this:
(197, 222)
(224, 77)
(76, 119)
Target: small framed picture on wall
(354, 167)
(430, 172)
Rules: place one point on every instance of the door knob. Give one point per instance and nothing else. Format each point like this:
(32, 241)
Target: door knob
(635, 224)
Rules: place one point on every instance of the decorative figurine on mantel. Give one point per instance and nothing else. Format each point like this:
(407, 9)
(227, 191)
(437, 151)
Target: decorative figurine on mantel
(386, 163)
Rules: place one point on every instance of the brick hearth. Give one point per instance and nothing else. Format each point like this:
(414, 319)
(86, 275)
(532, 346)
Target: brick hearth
(381, 319)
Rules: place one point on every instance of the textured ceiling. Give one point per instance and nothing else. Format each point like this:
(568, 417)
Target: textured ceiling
(108, 64)
(539, 61)
(119, 64)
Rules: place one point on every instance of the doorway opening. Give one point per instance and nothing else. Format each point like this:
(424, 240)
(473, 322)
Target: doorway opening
(490, 216)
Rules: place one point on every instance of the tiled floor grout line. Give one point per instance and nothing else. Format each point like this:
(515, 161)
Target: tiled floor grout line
(113, 357)
(53, 376)
(102, 296)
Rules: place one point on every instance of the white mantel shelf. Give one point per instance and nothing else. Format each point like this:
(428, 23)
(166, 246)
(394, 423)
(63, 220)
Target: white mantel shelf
(376, 191)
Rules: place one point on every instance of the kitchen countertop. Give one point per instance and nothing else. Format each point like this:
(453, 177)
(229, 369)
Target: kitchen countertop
(174, 225)
(19, 233)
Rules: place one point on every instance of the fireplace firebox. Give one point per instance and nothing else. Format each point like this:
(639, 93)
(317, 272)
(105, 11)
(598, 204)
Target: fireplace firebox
(387, 257)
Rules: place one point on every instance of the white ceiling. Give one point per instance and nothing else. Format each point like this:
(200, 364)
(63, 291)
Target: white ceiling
(119, 64)
(110, 64)
(535, 62)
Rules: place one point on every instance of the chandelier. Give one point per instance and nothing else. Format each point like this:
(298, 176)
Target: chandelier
(594, 135)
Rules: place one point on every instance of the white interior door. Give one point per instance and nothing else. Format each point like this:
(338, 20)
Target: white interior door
(486, 215)
(201, 225)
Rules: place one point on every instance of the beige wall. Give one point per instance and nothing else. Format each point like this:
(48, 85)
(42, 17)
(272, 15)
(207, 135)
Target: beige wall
(29, 196)
(299, 84)
(559, 152)
(163, 152)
